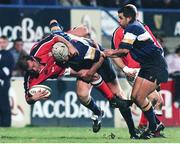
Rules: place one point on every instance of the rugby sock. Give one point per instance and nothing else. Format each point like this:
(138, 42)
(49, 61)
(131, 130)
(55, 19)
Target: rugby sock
(159, 116)
(102, 86)
(158, 119)
(92, 106)
(143, 120)
(151, 118)
(126, 113)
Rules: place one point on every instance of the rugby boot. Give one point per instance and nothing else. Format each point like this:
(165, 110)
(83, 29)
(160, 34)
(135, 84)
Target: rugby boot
(157, 133)
(135, 134)
(97, 122)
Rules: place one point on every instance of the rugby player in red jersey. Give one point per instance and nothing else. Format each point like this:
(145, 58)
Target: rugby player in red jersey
(40, 65)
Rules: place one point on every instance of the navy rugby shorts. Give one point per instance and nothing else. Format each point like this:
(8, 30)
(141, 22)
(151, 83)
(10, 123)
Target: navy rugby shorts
(107, 71)
(154, 70)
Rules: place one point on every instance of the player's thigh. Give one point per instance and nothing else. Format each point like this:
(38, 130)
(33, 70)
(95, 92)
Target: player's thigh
(83, 89)
(142, 89)
(136, 87)
(146, 81)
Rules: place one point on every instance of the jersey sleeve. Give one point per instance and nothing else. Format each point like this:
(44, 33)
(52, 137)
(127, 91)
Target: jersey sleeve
(130, 36)
(92, 54)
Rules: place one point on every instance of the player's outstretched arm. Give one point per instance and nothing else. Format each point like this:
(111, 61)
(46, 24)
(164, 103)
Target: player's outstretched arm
(88, 75)
(116, 53)
(130, 72)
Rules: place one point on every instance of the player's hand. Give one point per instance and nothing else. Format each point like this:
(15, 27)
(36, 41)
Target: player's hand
(85, 75)
(73, 51)
(40, 95)
(108, 52)
(129, 72)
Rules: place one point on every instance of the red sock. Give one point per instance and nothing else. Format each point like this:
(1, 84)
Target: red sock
(143, 120)
(102, 86)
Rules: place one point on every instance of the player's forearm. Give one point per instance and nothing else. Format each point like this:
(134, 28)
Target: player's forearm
(116, 53)
(120, 52)
(74, 73)
(63, 40)
(96, 66)
(119, 62)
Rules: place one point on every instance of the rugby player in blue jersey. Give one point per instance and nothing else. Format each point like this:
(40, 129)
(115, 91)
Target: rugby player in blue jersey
(138, 42)
(89, 54)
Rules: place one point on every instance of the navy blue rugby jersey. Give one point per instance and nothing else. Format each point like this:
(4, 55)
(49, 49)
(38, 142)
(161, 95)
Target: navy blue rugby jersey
(88, 51)
(88, 54)
(140, 42)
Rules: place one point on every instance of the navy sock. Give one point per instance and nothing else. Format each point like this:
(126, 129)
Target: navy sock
(126, 113)
(151, 118)
(157, 120)
(93, 107)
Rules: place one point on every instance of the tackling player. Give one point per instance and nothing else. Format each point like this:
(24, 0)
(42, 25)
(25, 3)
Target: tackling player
(88, 54)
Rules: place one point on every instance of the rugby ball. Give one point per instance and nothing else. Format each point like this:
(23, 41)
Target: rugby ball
(36, 88)
(60, 51)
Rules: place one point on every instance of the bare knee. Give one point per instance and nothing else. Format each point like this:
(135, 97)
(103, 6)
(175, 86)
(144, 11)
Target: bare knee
(139, 100)
(83, 91)
(83, 96)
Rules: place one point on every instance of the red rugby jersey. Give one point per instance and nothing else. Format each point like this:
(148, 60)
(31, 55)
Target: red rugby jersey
(42, 51)
(116, 40)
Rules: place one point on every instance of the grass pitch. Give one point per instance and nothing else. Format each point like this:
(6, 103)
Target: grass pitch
(78, 135)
